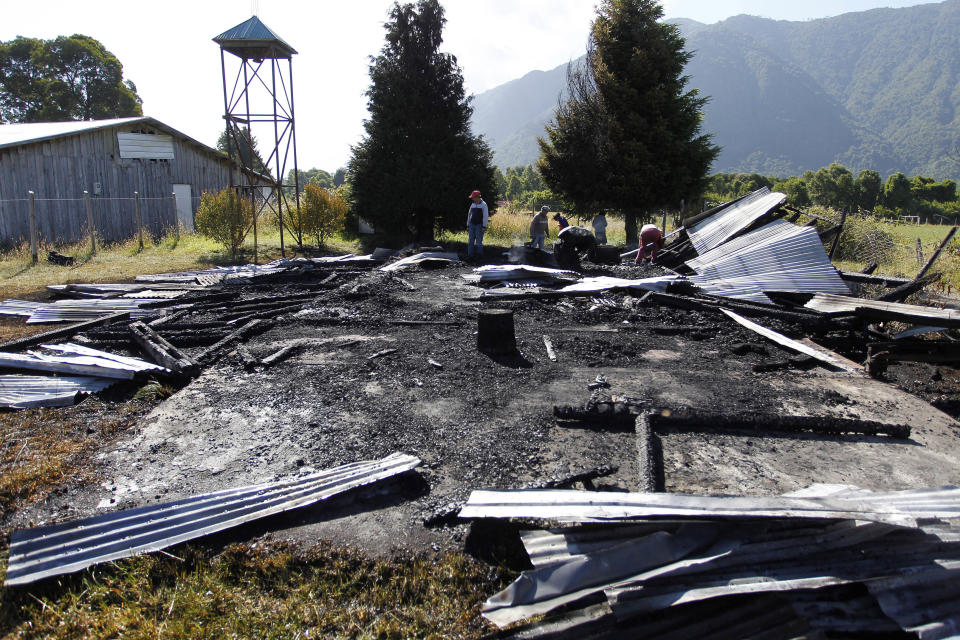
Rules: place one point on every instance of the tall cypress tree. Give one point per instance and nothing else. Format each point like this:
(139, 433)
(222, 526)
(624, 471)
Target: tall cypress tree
(418, 161)
(647, 149)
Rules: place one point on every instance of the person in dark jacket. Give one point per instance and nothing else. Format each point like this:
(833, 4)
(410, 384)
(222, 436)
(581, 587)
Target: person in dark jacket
(561, 221)
(478, 215)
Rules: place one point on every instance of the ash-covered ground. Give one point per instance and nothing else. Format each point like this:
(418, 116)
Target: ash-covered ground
(388, 363)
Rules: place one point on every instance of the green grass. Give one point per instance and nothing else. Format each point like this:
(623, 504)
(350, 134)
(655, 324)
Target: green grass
(258, 591)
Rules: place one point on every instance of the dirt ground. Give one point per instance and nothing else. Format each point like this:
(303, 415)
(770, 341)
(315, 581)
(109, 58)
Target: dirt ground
(363, 384)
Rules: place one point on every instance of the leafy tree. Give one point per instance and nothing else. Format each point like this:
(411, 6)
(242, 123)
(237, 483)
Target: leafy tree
(630, 119)
(868, 187)
(832, 187)
(924, 188)
(225, 216)
(339, 177)
(67, 78)
(795, 189)
(514, 187)
(418, 160)
(897, 193)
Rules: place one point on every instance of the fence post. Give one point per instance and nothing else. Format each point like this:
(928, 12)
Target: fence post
(90, 227)
(176, 215)
(33, 226)
(136, 202)
(919, 254)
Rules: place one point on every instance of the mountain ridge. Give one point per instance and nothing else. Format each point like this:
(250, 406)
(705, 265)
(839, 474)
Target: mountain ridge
(876, 89)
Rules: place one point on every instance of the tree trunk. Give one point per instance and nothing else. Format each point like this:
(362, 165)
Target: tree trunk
(630, 226)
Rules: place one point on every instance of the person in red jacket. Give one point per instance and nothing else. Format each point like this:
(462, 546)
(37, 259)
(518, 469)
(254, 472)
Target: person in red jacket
(650, 234)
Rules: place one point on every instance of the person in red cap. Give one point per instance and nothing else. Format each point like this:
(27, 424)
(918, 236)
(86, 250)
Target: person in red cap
(477, 217)
(650, 234)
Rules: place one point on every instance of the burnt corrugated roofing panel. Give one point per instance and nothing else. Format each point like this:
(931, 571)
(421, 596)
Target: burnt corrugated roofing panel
(730, 221)
(71, 546)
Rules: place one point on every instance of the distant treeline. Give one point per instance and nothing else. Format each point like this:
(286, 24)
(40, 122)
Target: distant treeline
(836, 187)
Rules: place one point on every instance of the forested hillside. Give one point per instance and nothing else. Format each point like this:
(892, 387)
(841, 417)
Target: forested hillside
(878, 90)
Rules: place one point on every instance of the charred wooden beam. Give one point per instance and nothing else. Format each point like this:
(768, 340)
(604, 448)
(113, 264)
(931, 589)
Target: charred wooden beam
(904, 291)
(211, 353)
(242, 310)
(816, 321)
(759, 423)
(934, 352)
(63, 332)
(162, 352)
(209, 298)
(866, 278)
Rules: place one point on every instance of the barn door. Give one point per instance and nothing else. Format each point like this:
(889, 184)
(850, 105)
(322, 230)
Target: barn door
(184, 198)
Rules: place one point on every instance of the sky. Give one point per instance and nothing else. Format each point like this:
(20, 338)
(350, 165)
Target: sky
(166, 49)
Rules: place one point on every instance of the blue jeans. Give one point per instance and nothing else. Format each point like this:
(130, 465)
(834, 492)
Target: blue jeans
(475, 240)
(538, 240)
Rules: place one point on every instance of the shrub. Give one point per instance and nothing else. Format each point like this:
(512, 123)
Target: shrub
(323, 210)
(225, 217)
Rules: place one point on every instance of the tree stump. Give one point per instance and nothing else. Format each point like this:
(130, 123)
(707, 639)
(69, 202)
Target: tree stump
(495, 332)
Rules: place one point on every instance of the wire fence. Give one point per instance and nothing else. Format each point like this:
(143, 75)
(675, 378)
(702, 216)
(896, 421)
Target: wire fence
(55, 221)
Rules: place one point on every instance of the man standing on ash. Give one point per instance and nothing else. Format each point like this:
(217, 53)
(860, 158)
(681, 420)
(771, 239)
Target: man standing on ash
(477, 218)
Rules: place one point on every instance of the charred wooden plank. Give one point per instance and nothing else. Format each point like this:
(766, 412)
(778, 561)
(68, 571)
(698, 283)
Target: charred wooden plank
(211, 353)
(162, 352)
(904, 291)
(63, 332)
(759, 423)
(865, 278)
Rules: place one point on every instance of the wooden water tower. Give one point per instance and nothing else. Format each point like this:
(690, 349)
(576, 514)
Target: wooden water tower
(258, 106)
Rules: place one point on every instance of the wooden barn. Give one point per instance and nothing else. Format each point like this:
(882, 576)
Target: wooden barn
(124, 165)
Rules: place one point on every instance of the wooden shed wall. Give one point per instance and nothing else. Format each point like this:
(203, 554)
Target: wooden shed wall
(59, 170)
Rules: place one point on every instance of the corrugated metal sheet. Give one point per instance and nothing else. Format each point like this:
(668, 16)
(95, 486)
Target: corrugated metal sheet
(774, 229)
(501, 272)
(12, 135)
(420, 257)
(777, 257)
(251, 31)
(12, 307)
(24, 391)
(799, 347)
(88, 362)
(603, 283)
(730, 221)
(63, 548)
(88, 309)
(651, 566)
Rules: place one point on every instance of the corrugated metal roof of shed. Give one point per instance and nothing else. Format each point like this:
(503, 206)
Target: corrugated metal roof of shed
(14, 135)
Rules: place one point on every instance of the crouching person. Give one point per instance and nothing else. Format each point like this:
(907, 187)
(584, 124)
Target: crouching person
(650, 238)
(573, 244)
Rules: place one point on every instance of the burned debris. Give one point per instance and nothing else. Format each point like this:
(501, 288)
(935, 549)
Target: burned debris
(739, 363)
